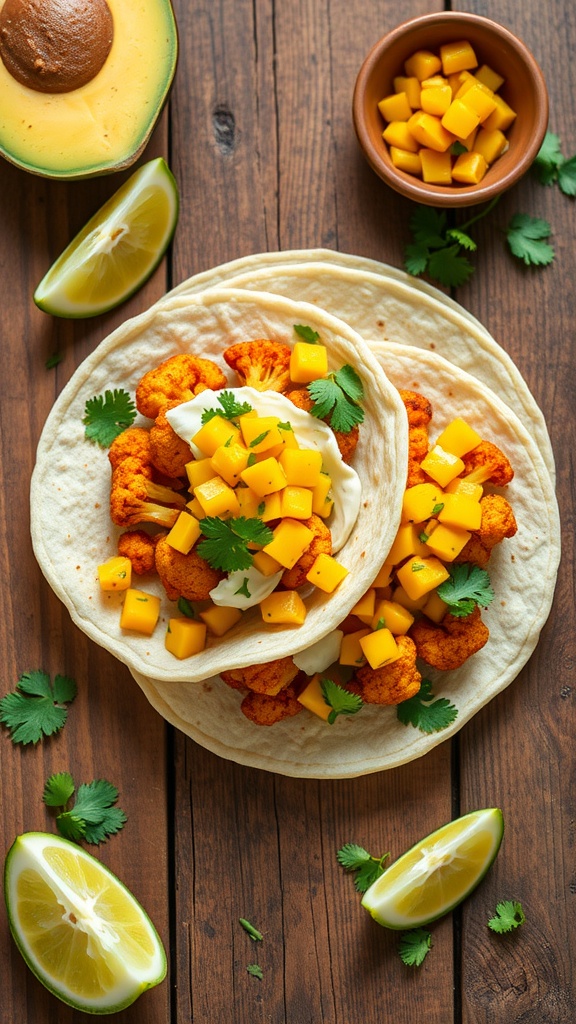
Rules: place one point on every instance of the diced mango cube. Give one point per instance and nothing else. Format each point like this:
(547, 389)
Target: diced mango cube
(422, 64)
(461, 510)
(217, 498)
(215, 432)
(115, 573)
(410, 86)
(384, 576)
(398, 134)
(442, 466)
(260, 433)
(407, 542)
(433, 82)
(195, 508)
(435, 608)
(458, 437)
(220, 618)
(489, 77)
(395, 107)
(289, 439)
(491, 144)
(400, 596)
(249, 502)
(289, 542)
(457, 56)
(419, 502)
(430, 131)
(468, 142)
(460, 485)
(406, 161)
(185, 637)
(308, 362)
(502, 117)
(436, 99)
(228, 461)
(419, 576)
(312, 698)
(436, 167)
(393, 616)
(459, 119)
(295, 502)
(265, 564)
(380, 648)
(140, 611)
(447, 541)
(270, 507)
(326, 573)
(469, 168)
(199, 471)
(301, 466)
(480, 99)
(284, 607)
(184, 534)
(350, 651)
(364, 608)
(264, 477)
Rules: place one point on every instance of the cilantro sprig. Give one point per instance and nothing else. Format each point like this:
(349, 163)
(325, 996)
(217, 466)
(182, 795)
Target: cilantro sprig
(38, 707)
(527, 239)
(336, 399)
(414, 946)
(232, 409)
(93, 816)
(551, 167)
(467, 587)
(227, 540)
(106, 416)
(339, 700)
(424, 712)
(509, 915)
(436, 248)
(366, 867)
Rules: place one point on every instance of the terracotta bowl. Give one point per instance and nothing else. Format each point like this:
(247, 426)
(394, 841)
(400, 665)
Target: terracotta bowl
(524, 90)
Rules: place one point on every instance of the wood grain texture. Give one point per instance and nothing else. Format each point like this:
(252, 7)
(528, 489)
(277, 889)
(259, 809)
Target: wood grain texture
(259, 134)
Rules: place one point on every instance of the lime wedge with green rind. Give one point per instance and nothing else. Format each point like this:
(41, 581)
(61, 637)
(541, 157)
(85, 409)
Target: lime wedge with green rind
(117, 250)
(80, 930)
(437, 873)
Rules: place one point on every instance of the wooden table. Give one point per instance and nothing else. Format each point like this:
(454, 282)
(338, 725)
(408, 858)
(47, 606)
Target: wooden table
(259, 136)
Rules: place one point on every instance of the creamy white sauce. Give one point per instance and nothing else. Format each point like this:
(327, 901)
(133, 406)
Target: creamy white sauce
(320, 655)
(186, 420)
(255, 585)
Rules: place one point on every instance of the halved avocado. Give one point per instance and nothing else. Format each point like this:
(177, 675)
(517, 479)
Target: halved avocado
(104, 124)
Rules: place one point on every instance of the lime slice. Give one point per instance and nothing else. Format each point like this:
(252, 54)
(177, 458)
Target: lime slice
(81, 932)
(117, 250)
(437, 873)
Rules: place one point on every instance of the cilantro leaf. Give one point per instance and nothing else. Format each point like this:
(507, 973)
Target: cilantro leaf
(252, 931)
(336, 397)
(416, 256)
(462, 238)
(526, 238)
(105, 417)
(244, 588)
(186, 608)
(509, 915)
(567, 177)
(425, 713)
(37, 709)
(255, 970)
(467, 587)
(436, 248)
(58, 790)
(308, 334)
(226, 544)
(428, 226)
(355, 858)
(450, 268)
(93, 816)
(548, 159)
(414, 946)
(231, 407)
(341, 701)
(71, 826)
(54, 360)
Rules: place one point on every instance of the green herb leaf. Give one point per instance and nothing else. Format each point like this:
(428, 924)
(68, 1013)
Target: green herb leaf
(54, 360)
(93, 816)
(310, 336)
(37, 708)
(244, 588)
(414, 946)
(186, 608)
(255, 970)
(548, 159)
(259, 439)
(341, 701)
(105, 417)
(231, 407)
(462, 238)
(567, 177)
(336, 397)
(509, 915)
(527, 240)
(449, 268)
(428, 226)
(58, 790)
(367, 868)
(252, 931)
(425, 713)
(416, 256)
(467, 587)
(226, 544)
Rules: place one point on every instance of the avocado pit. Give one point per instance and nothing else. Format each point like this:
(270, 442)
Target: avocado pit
(55, 46)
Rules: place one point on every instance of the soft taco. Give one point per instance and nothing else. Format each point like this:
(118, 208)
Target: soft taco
(72, 530)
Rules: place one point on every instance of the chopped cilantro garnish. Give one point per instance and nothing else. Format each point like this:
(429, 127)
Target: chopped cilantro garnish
(255, 970)
(414, 946)
(231, 407)
(93, 816)
(106, 416)
(509, 915)
(355, 858)
(467, 587)
(244, 588)
(252, 931)
(226, 544)
(259, 439)
(341, 701)
(425, 713)
(186, 608)
(308, 334)
(437, 508)
(336, 398)
(37, 708)
(54, 360)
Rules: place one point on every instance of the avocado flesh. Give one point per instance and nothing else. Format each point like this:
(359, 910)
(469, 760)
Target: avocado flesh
(104, 125)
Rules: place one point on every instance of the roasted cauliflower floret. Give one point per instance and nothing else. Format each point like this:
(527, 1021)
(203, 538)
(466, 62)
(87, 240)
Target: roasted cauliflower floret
(392, 683)
(139, 547)
(176, 380)
(322, 542)
(187, 576)
(487, 464)
(419, 412)
(269, 678)
(135, 497)
(133, 443)
(261, 364)
(346, 442)
(498, 522)
(265, 710)
(448, 645)
(169, 452)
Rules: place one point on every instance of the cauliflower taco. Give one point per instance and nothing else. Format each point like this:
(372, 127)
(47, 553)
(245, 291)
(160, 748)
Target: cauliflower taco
(240, 512)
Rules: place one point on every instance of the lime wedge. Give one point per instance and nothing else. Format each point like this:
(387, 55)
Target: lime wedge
(437, 873)
(117, 250)
(81, 932)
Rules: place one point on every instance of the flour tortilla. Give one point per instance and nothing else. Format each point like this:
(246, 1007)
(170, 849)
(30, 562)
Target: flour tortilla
(523, 573)
(71, 528)
(384, 303)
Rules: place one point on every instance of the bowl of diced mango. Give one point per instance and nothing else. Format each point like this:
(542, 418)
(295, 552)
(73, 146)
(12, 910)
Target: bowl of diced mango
(450, 109)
